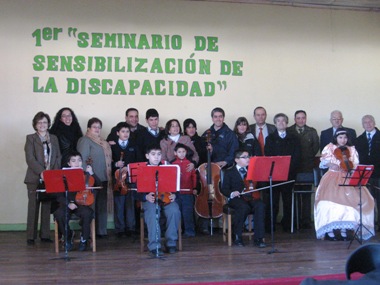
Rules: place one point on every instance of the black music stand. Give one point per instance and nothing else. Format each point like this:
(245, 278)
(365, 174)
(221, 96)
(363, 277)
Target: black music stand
(269, 168)
(64, 180)
(359, 177)
(158, 179)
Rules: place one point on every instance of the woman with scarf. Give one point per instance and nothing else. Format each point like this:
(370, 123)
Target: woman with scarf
(336, 207)
(67, 130)
(246, 139)
(41, 153)
(96, 149)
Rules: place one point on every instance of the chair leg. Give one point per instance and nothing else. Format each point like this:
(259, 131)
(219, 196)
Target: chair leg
(142, 232)
(56, 241)
(229, 230)
(250, 218)
(292, 221)
(93, 235)
(224, 219)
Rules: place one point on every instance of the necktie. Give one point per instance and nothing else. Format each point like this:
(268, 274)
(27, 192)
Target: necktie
(123, 145)
(261, 140)
(282, 135)
(243, 172)
(300, 131)
(369, 142)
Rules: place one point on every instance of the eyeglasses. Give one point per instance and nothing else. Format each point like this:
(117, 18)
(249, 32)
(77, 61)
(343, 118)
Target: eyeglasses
(245, 157)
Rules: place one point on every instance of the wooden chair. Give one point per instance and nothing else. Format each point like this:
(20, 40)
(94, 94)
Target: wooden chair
(93, 235)
(142, 233)
(227, 224)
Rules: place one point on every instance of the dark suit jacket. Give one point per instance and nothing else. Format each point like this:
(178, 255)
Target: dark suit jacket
(34, 154)
(232, 181)
(271, 129)
(290, 145)
(328, 135)
(361, 145)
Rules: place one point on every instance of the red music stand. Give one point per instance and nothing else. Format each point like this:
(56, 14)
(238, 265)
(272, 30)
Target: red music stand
(133, 169)
(64, 180)
(269, 168)
(158, 179)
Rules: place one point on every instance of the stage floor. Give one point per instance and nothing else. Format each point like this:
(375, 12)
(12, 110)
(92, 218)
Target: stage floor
(204, 258)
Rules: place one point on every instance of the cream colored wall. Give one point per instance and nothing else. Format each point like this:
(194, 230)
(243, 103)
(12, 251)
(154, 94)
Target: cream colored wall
(294, 58)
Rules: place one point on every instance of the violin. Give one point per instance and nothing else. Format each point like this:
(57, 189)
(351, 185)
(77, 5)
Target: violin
(209, 203)
(121, 177)
(342, 153)
(86, 197)
(249, 188)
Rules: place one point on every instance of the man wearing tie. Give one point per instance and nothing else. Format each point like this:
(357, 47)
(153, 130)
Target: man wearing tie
(283, 143)
(233, 185)
(368, 147)
(309, 141)
(261, 129)
(336, 119)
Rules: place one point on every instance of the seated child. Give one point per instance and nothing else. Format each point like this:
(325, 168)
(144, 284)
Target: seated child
(85, 213)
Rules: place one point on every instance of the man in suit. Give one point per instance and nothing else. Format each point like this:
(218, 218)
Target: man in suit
(283, 143)
(368, 147)
(132, 119)
(309, 141)
(260, 116)
(336, 119)
(233, 185)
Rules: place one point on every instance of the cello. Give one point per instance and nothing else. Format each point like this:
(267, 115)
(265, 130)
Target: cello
(209, 203)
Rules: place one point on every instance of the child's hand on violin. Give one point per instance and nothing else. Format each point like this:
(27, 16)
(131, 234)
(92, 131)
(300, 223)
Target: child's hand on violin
(235, 194)
(150, 197)
(72, 206)
(89, 170)
(209, 147)
(172, 197)
(195, 192)
(120, 163)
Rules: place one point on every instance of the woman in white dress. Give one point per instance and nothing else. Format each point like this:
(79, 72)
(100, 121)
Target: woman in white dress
(336, 207)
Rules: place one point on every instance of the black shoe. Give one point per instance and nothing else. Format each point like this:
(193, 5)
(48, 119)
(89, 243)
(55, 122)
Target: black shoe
(82, 245)
(156, 253)
(205, 232)
(239, 242)
(327, 237)
(101, 236)
(259, 242)
(171, 249)
(47, 240)
(30, 241)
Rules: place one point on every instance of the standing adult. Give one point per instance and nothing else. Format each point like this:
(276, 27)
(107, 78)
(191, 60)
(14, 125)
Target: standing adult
(68, 131)
(41, 153)
(190, 129)
(368, 148)
(132, 119)
(246, 139)
(173, 136)
(261, 129)
(282, 143)
(336, 120)
(93, 146)
(309, 141)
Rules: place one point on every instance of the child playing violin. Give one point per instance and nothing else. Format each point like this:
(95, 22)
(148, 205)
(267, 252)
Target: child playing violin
(188, 188)
(336, 206)
(84, 212)
(171, 211)
(124, 151)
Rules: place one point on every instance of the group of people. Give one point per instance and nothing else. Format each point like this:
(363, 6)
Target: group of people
(64, 145)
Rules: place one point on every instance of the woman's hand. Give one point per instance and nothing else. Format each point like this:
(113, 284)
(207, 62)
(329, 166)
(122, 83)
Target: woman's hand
(190, 167)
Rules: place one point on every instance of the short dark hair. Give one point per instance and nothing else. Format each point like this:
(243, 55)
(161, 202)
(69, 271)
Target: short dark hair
(280, 115)
(71, 154)
(122, 125)
(38, 117)
(151, 113)
(189, 122)
(130, 110)
(217, 110)
(94, 120)
(259, 107)
(299, 111)
(239, 152)
(151, 147)
(181, 145)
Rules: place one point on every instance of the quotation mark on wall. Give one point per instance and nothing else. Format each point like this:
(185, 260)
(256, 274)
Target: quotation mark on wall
(72, 31)
(222, 85)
